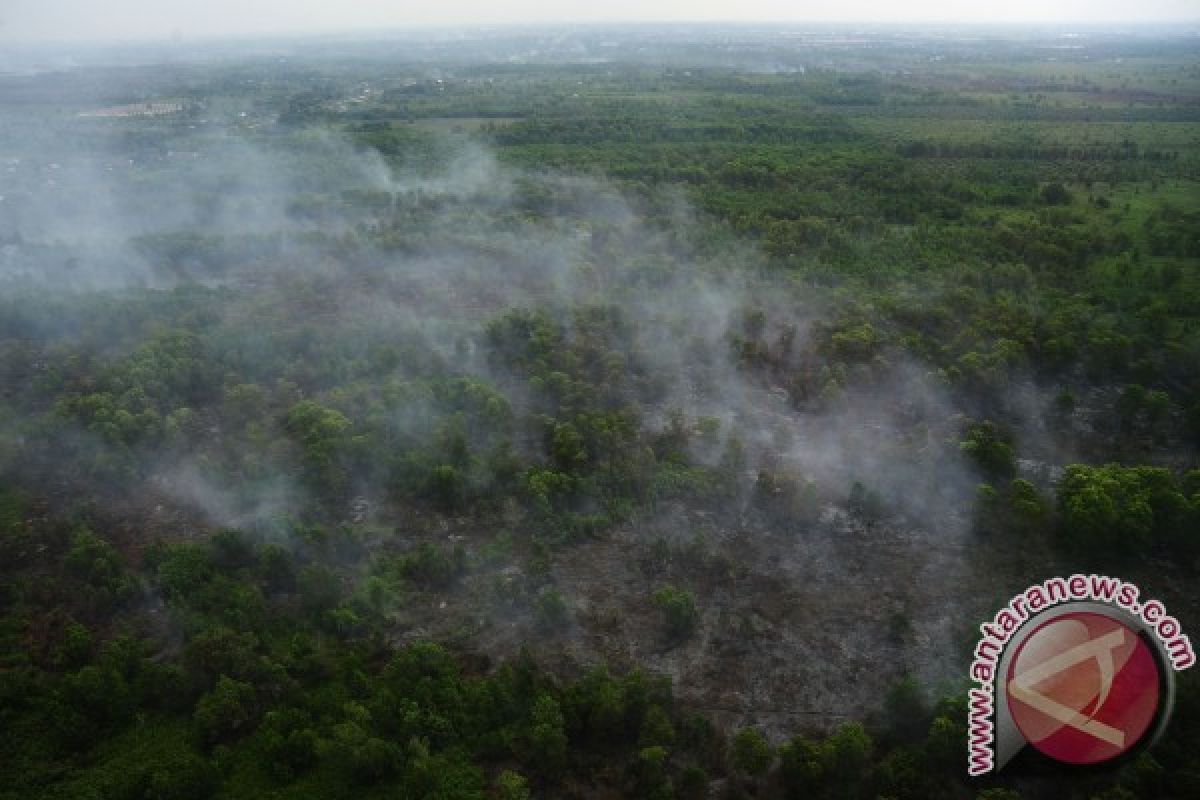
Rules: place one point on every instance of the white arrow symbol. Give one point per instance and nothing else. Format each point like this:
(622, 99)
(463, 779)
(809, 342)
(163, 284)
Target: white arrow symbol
(1101, 649)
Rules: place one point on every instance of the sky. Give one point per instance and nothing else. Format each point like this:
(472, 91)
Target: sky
(33, 20)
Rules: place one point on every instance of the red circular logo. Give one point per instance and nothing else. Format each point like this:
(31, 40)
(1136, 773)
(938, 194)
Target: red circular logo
(1083, 688)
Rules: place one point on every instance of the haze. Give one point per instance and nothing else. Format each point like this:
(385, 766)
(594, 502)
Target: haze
(49, 20)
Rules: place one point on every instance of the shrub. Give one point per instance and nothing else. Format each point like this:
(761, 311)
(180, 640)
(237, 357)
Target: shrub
(679, 612)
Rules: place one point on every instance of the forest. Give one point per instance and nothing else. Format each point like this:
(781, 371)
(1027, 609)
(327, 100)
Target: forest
(647, 412)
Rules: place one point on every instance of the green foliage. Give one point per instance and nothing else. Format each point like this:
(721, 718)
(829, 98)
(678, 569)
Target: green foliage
(991, 450)
(906, 714)
(1029, 508)
(693, 783)
(859, 344)
(100, 570)
(433, 567)
(364, 758)
(947, 741)
(1055, 194)
(547, 736)
(225, 712)
(551, 609)
(650, 774)
(836, 765)
(1113, 509)
(656, 729)
(324, 437)
(512, 785)
(788, 500)
(320, 588)
(12, 511)
(183, 569)
(289, 742)
(447, 487)
(750, 753)
(184, 777)
(678, 608)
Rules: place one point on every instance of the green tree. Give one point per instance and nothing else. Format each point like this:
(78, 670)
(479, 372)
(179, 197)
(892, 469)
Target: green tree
(1111, 508)
(678, 607)
(1055, 194)
(547, 735)
(512, 785)
(750, 753)
(324, 438)
(656, 728)
(225, 712)
(990, 449)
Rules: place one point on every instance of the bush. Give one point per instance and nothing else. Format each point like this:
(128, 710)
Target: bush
(185, 777)
(1055, 194)
(446, 488)
(433, 567)
(512, 786)
(552, 613)
(1111, 509)
(750, 753)
(679, 612)
(990, 449)
(226, 711)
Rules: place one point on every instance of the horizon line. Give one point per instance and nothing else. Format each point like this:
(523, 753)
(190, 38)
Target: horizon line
(182, 36)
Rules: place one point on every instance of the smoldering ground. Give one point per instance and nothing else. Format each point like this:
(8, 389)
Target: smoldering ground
(308, 268)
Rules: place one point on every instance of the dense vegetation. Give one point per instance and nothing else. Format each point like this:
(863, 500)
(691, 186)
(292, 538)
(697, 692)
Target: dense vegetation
(377, 427)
